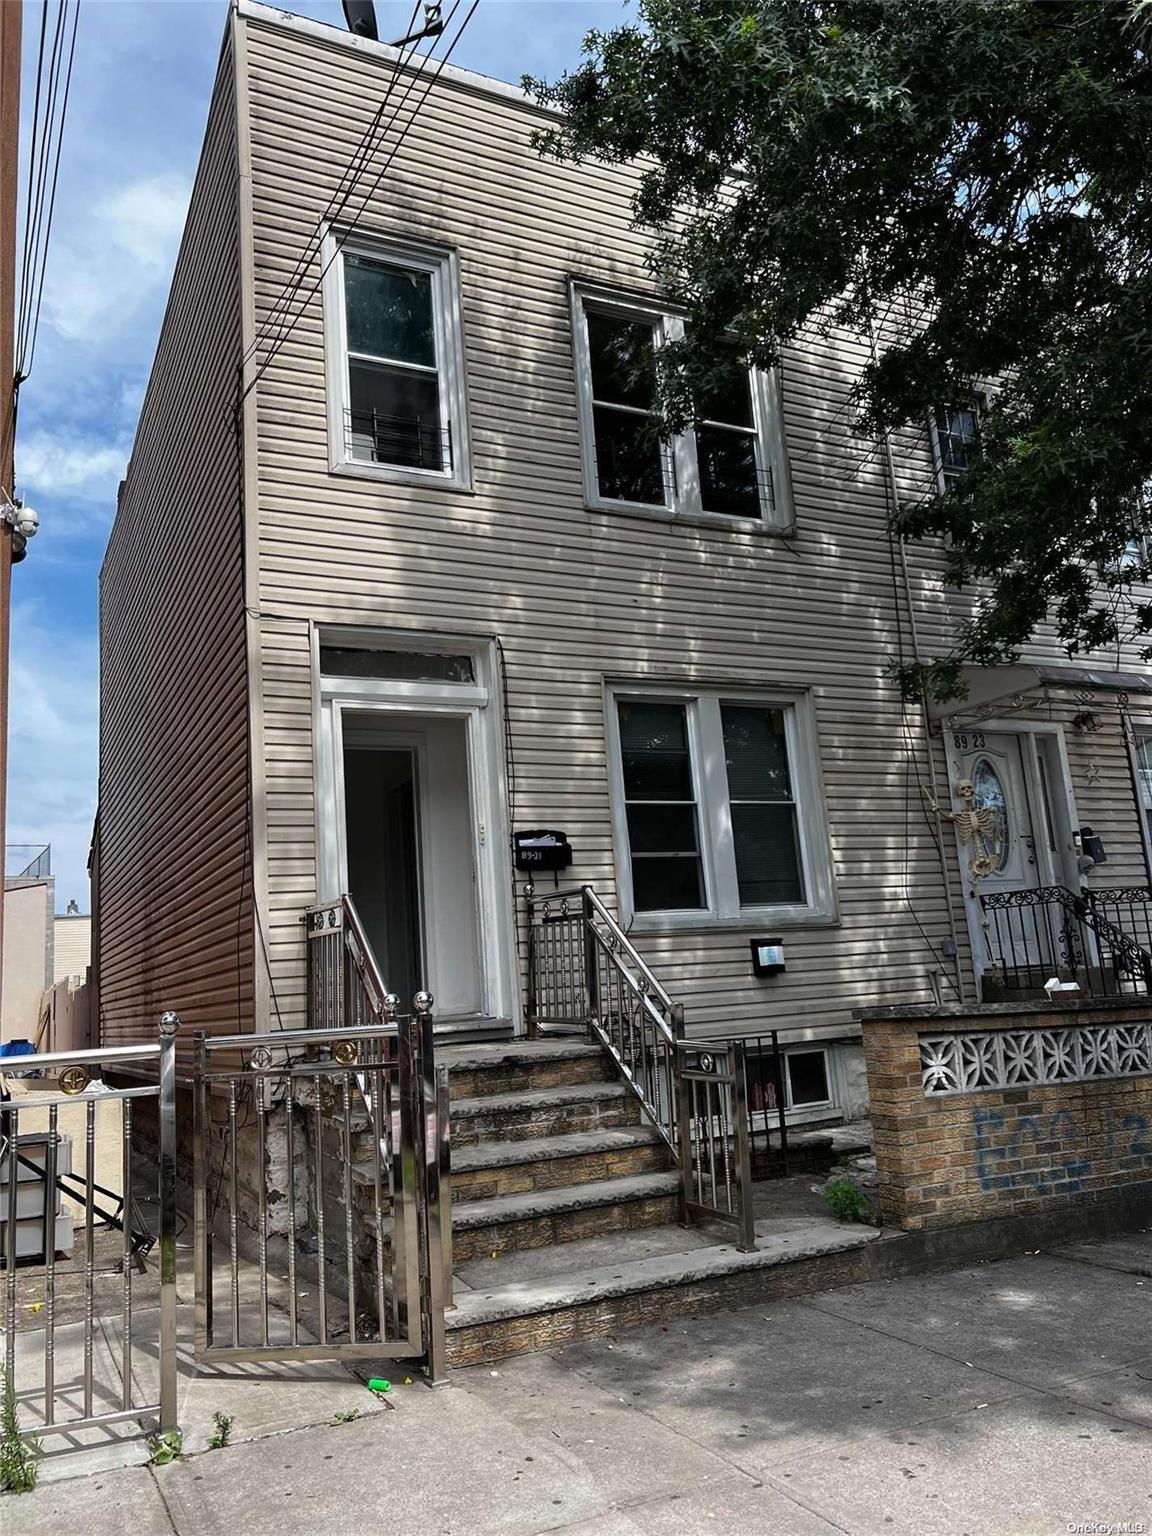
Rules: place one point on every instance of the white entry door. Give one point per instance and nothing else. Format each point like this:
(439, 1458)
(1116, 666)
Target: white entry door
(408, 850)
(1020, 782)
(997, 767)
(410, 812)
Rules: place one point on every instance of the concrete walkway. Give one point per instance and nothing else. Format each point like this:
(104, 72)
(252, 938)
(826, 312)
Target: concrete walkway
(1011, 1398)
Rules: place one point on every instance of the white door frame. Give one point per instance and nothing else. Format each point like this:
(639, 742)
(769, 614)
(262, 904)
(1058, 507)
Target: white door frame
(1066, 871)
(478, 705)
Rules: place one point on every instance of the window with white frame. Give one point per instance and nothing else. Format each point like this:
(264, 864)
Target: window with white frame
(397, 363)
(718, 815)
(1144, 768)
(728, 465)
(806, 1075)
(955, 432)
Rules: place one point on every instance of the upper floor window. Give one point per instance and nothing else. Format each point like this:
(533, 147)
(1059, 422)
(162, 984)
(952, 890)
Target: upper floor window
(1144, 769)
(717, 809)
(729, 465)
(955, 436)
(396, 383)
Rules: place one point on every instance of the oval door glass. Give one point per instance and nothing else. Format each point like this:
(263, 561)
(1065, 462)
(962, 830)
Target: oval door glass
(989, 795)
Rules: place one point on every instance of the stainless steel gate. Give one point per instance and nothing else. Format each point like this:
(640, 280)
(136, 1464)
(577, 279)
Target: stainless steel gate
(321, 1193)
(88, 1235)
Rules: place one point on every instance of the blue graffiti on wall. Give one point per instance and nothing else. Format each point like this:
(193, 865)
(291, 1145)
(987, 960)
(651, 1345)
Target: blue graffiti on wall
(1050, 1154)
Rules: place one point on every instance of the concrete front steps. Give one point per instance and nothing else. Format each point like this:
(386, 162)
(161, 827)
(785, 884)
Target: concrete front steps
(548, 1148)
(564, 1209)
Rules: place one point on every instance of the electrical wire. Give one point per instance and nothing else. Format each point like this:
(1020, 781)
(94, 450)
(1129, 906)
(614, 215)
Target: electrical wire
(32, 164)
(289, 326)
(26, 363)
(337, 204)
(339, 199)
(43, 174)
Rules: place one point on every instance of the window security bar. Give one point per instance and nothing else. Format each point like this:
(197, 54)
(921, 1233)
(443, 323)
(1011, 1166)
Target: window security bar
(405, 442)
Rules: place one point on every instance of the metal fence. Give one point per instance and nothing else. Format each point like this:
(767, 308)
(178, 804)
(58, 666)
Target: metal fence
(90, 1336)
(350, 1254)
(715, 1146)
(1095, 938)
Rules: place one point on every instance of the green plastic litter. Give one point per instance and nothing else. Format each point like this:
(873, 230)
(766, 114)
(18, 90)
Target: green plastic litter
(378, 1384)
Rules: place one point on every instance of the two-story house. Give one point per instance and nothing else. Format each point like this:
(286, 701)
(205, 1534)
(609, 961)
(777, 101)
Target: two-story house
(397, 573)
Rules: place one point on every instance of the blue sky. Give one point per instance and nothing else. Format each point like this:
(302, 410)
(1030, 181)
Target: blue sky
(139, 97)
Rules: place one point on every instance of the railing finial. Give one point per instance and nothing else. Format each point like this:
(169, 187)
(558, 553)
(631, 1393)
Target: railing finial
(423, 1002)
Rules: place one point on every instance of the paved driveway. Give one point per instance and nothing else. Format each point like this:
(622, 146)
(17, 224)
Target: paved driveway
(1010, 1398)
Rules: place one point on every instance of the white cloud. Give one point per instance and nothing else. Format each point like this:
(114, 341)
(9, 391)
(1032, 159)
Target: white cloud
(94, 291)
(53, 734)
(147, 218)
(78, 468)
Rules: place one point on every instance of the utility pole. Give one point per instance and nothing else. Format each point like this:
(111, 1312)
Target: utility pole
(11, 16)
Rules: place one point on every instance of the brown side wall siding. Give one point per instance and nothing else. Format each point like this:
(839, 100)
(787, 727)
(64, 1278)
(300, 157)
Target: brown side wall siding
(174, 916)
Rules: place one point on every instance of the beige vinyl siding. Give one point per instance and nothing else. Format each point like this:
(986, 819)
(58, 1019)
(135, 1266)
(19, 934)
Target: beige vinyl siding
(72, 946)
(172, 893)
(575, 597)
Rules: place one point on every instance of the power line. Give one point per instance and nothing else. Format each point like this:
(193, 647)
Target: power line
(289, 322)
(32, 162)
(26, 366)
(288, 326)
(43, 172)
(339, 198)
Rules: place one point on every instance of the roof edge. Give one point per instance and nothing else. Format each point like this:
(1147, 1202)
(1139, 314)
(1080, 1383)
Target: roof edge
(335, 37)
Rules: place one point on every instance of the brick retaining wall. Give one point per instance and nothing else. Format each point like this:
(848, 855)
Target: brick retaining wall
(962, 1153)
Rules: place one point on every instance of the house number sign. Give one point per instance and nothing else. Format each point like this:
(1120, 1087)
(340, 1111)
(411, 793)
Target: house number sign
(965, 742)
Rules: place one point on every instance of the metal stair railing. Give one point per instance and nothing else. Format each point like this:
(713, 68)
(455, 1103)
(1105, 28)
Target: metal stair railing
(582, 968)
(1032, 934)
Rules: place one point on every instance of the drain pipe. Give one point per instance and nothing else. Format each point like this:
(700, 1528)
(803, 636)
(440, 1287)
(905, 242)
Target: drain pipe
(917, 657)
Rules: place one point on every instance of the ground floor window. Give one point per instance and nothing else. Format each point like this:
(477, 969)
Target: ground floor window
(717, 806)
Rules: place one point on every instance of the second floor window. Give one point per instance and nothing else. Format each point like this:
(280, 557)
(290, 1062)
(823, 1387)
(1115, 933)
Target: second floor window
(955, 436)
(728, 465)
(398, 379)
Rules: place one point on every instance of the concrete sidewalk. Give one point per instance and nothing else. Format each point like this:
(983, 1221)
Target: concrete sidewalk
(1010, 1398)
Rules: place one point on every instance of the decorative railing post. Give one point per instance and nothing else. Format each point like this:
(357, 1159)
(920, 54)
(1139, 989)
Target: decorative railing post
(746, 1211)
(430, 1151)
(591, 964)
(169, 1024)
(531, 1001)
(778, 1089)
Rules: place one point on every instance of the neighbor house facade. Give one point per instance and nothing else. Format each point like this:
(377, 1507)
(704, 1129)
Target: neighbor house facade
(396, 574)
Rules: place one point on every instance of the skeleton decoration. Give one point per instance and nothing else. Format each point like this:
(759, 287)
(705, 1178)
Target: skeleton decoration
(979, 827)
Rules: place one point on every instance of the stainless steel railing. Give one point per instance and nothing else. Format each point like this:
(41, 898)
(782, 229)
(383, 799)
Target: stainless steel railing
(346, 1219)
(346, 990)
(715, 1145)
(582, 968)
(121, 1250)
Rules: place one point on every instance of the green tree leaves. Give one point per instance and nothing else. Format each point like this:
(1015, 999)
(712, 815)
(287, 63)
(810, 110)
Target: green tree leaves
(969, 178)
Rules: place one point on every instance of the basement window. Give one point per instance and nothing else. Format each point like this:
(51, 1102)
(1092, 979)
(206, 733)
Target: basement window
(807, 1080)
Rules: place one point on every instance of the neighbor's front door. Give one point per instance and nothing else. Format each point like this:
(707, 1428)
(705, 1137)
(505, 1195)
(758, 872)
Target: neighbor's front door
(997, 767)
(1019, 781)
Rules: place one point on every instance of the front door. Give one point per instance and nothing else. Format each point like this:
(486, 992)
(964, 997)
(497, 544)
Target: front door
(996, 766)
(408, 843)
(1021, 853)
